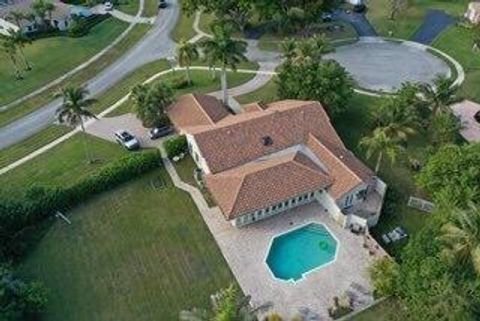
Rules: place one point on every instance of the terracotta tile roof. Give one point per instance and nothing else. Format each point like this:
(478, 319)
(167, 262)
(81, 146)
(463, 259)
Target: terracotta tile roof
(256, 106)
(265, 182)
(196, 110)
(239, 139)
(341, 164)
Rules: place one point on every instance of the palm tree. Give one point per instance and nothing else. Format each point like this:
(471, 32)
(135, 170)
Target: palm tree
(440, 94)
(226, 51)
(19, 38)
(74, 110)
(186, 53)
(381, 144)
(150, 102)
(289, 46)
(398, 119)
(461, 236)
(10, 49)
(49, 7)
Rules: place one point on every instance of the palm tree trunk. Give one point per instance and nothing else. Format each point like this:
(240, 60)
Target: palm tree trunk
(214, 72)
(188, 74)
(27, 63)
(85, 143)
(224, 85)
(379, 162)
(18, 74)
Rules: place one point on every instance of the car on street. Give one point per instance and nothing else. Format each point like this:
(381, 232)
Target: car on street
(162, 4)
(108, 6)
(160, 131)
(359, 8)
(127, 140)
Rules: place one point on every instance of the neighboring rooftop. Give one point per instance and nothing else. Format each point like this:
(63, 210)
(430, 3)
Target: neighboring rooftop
(61, 11)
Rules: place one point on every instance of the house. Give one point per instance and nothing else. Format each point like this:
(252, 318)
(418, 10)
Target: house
(473, 12)
(274, 157)
(60, 16)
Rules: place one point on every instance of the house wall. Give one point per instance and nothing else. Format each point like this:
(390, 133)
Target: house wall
(196, 154)
(473, 14)
(380, 188)
(331, 207)
(5, 26)
(276, 209)
(351, 195)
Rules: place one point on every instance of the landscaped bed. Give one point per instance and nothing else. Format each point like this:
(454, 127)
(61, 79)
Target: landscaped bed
(134, 253)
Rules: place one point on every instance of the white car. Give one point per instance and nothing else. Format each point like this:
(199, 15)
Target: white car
(127, 140)
(108, 6)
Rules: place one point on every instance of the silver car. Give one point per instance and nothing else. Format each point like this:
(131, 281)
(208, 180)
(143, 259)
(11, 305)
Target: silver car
(127, 140)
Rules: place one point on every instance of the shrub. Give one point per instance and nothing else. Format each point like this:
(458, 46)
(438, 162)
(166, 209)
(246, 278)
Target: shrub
(41, 202)
(180, 82)
(175, 146)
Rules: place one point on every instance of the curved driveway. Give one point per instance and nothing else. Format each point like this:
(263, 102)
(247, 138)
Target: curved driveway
(156, 44)
(381, 65)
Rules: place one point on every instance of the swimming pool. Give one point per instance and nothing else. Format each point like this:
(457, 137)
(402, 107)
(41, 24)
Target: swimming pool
(299, 251)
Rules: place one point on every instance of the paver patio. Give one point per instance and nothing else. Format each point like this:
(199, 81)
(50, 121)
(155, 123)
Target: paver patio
(246, 248)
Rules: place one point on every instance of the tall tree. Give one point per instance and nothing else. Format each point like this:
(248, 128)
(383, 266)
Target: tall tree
(186, 53)
(461, 235)
(41, 9)
(444, 129)
(325, 81)
(398, 119)
(225, 50)
(20, 39)
(440, 94)
(395, 7)
(150, 102)
(10, 50)
(227, 305)
(74, 110)
(16, 16)
(380, 144)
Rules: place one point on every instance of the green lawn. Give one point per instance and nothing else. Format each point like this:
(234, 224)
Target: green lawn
(150, 8)
(266, 94)
(184, 27)
(26, 146)
(203, 83)
(408, 20)
(457, 41)
(52, 57)
(79, 78)
(384, 311)
(64, 164)
(128, 6)
(135, 253)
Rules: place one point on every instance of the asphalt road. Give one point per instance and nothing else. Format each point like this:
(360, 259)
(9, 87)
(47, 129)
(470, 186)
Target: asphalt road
(156, 44)
(433, 23)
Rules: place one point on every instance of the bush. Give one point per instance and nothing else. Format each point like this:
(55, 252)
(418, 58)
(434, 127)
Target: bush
(40, 202)
(180, 82)
(175, 146)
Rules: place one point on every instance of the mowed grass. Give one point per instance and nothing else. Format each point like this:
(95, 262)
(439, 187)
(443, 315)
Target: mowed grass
(202, 83)
(184, 27)
(384, 311)
(78, 78)
(134, 253)
(457, 41)
(150, 8)
(52, 57)
(266, 94)
(26, 146)
(409, 19)
(65, 164)
(128, 6)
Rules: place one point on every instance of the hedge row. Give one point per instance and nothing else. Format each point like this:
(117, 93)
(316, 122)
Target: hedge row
(175, 146)
(41, 202)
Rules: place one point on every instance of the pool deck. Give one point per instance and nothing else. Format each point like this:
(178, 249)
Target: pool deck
(246, 248)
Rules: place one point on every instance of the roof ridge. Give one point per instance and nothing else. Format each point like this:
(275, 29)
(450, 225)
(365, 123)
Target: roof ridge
(235, 198)
(194, 95)
(311, 169)
(335, 156)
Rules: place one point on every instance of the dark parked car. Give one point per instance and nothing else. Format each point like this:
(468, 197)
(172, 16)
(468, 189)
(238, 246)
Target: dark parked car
(162, 4)
(127, 140)
(359, 8)
(158, 132)
(477, 116)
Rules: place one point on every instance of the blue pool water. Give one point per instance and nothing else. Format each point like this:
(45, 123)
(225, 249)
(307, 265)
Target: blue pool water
(301, 250)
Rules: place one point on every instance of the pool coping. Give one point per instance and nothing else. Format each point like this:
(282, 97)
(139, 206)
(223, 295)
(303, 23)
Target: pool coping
(292, 281)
